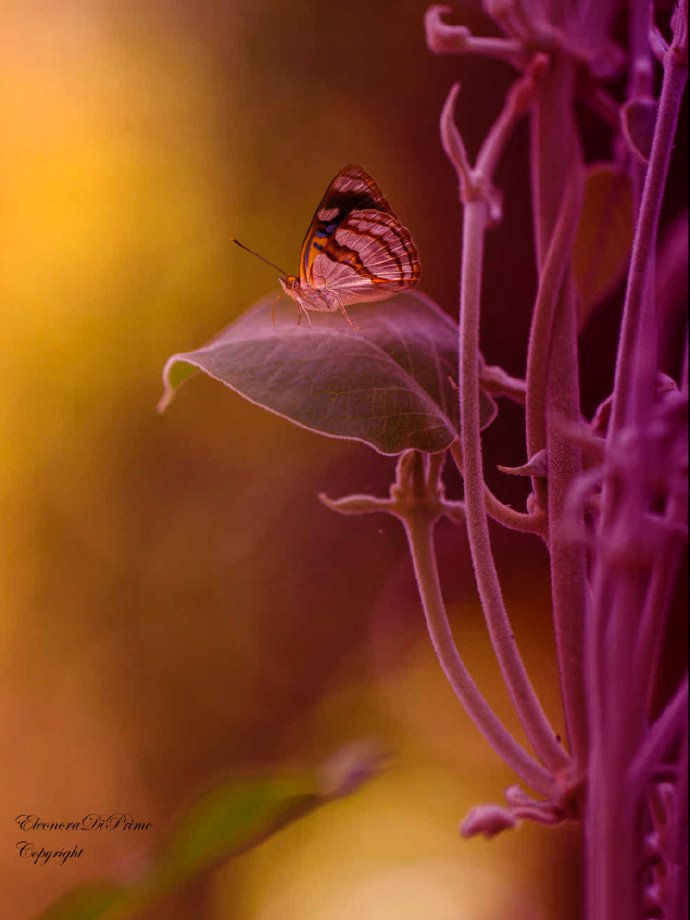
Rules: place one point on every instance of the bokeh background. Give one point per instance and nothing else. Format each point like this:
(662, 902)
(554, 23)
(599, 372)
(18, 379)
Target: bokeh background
(176, 605)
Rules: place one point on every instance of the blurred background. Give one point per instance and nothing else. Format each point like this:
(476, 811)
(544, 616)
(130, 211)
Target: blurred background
(176, 604)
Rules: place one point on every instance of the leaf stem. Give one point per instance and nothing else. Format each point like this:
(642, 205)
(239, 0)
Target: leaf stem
(566, 530)
(500, 512)
(553, 384)
(478, 211)
(524, 697)
(419, 530)
(540, 339)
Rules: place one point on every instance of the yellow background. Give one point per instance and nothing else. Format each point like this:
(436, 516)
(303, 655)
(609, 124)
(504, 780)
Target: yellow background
(176, 605)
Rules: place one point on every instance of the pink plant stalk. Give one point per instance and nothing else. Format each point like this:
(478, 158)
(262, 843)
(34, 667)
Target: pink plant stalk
(615, 533)
(615, 554)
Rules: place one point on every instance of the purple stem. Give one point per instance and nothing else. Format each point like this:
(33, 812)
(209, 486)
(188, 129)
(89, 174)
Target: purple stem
(526, 702)
(550, 283)
(657, 603)
(660, 737)
(678, 882)
(553, 143)
(556, 160)
(498, 511)
(479, 201)
(419, 532)
(616, 720)
(629, 396)
(568, 560)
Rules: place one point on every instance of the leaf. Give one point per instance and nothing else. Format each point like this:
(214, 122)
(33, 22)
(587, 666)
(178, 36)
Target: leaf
(227, 820)
(388, 383)
(604, 237)
(638, 118)
(535, 466)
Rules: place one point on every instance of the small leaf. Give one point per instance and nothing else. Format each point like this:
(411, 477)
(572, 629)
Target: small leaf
(487, 820)
(638, 118)
(535, 466)
(357, 504)
(498, 382)
(387, 383)
(604, 237)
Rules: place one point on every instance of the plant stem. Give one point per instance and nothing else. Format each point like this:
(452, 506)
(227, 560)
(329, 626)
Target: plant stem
(525, 699)
(550, 283)
(553, 142)
(553, 384)
(620, 589)
(419, 530)
(662, 583)
(678, 882)
(660, 737)
(500, 512)
(567, 553)
(632, 370)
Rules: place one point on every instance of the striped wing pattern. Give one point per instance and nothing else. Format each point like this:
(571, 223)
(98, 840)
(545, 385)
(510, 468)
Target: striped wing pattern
(356, 248)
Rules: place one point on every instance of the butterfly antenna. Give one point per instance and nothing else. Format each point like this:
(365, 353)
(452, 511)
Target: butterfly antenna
(251, 251)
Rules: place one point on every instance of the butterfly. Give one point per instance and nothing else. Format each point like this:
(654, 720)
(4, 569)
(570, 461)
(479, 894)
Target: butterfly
(355, 250)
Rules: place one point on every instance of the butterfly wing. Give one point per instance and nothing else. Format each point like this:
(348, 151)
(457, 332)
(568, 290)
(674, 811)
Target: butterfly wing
(356, 247)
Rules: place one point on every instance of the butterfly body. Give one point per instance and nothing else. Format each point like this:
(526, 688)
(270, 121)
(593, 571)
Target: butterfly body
(355, 250)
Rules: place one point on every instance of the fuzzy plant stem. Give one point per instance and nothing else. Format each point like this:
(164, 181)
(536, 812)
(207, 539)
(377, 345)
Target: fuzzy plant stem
(567, 553)
(497, 511)
(526, 701)
(556, 262)
(612, 846)
(419, 530)
(553, 382)
(480, 207)
(611, 830)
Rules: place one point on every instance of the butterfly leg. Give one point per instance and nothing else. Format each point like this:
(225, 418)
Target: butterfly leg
(345, 314)
(273, 309)
(302, 311)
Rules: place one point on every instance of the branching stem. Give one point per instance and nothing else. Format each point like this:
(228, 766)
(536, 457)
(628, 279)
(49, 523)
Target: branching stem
(419, 532)
(475, 188)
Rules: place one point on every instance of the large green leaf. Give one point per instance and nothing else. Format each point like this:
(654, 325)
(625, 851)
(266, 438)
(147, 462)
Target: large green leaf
(391, 382)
